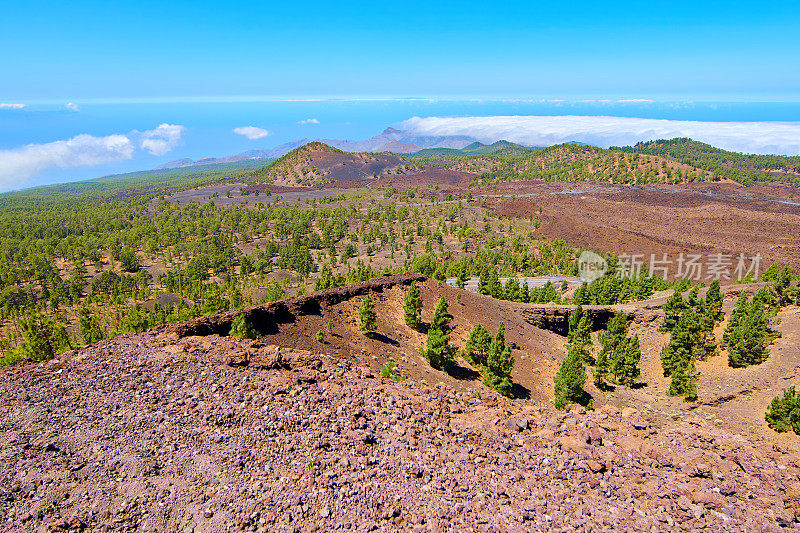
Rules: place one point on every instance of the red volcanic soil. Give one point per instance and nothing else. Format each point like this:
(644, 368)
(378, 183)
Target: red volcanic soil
(695, 218)
(429, 176)
(348, 184)
(275, 189)
(338, 166)
(439, 176)
(182, 428)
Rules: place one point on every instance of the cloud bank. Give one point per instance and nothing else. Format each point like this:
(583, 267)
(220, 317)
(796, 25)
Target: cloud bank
(251, 132)
(18, 165)
(162, 139)
(748, 137)
(308, 121)
(11, 106)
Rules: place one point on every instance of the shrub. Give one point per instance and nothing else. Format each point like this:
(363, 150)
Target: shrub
(242, 327)
(38, 342)
(388, 372)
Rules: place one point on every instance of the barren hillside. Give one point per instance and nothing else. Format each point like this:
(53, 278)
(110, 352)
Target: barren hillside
(184, 428)
(317, 163)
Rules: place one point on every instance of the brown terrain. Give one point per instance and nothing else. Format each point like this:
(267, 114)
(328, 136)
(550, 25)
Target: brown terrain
(691, 218)
(183, 428)
(317, 163)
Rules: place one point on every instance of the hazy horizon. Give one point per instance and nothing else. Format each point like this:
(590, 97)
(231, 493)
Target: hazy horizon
(91, 91)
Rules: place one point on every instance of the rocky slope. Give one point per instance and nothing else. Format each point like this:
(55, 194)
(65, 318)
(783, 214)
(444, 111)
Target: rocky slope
(151, 432)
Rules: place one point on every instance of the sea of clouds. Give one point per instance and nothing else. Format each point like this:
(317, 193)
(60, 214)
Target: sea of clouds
(749, 137)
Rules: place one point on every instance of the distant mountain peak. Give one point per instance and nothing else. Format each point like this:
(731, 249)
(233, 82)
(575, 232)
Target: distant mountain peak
(474, 146)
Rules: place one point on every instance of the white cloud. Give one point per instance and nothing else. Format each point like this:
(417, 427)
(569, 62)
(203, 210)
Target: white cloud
(308, 121)
(251, 132)
(11, 106)
(71, 106)
(162, 139)
(19, 164)
(748, 137)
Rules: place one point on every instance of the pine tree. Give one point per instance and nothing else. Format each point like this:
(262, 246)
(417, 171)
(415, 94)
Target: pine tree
(615, 333)
(626, 364)
(678, 356)
(781, 286)
(674, 306)
(748, 343)
(90, 327)
(477, 346)
(740, 310)
(242, 326)
(412, 306)
(489, 283)
(779, 414)
(580, 333)
(462, 277)
(693, 300)
(437, 350)
(511, 290)
(499, 364)
(549, 294)
(714, 301)
(61, 338)
(581, 296)
(682, 344)
(569, 380)
(524, 293)
(684, 380)
(366, 316)
(37, 334)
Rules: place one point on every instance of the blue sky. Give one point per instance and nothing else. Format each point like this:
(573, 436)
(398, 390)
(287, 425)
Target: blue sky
(100, 50)
(91, 88)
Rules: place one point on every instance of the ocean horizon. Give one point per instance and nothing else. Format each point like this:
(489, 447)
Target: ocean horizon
(207, 128)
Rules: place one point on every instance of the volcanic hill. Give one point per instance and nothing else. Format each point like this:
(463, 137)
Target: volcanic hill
(317, 163)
